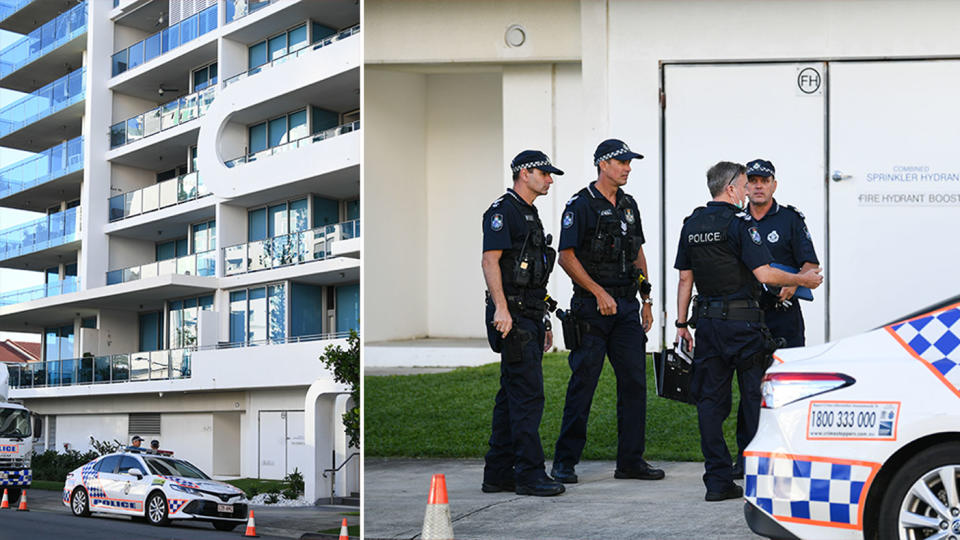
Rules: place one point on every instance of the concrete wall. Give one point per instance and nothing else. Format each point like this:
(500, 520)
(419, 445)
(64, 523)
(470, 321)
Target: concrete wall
(226, 444)
(119, 332)
(76, 430)
(191, 437)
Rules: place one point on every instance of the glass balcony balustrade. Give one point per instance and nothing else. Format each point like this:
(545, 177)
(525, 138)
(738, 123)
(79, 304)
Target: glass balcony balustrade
(161, 195)
(307, 49)
(115, 368)
(56, 96)
(238, 9)
(67, 285)
(294, 248)
(50, 36)
(304, 141)
(166, 116)
(46, 232)
(47, 165)
(9, 7)
(197, 264)
(165, 40)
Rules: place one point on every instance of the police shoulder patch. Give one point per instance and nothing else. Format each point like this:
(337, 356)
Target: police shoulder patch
(797, 210)
(568, 218)
(496, 222)
(755, 236)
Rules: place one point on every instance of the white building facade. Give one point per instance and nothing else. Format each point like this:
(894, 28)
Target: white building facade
(197, 188)
(850, 100)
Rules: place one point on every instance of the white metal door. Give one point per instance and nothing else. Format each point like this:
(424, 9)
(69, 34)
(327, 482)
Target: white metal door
(273, 445)
(894, 211)
(739, 112)
(298, 454)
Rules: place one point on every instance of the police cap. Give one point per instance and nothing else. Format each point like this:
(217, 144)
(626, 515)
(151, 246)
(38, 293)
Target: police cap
(614, 149)
(761, 167)
(533, 159)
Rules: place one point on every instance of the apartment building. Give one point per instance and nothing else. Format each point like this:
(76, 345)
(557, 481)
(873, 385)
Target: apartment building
(195, 174)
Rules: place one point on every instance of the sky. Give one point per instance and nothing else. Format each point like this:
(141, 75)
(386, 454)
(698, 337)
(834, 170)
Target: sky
(12, 280)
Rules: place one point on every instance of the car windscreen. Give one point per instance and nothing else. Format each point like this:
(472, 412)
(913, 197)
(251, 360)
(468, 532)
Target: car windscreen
(173, 467)
(15, 423)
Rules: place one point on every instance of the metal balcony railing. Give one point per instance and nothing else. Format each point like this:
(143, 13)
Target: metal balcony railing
(64, 286)
(238, 9)
(304, 50)
(115, 368)
(9, 7)
(56, 96)
(294, 248)
(197, 264)
(276, 341)
(165, 40)
(166, 116)
(49, 231)
(50, 164)
(303, 141)
(64, 28)
(160, 195)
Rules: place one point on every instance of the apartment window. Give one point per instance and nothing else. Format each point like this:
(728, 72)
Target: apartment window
(348, 307)
(52, 275)
(277, 46)
(323, 119)
(204, 236)
(320, 31)
(88, 322)
(58, 353)
(353, 209)
(183, 320)
(278, 131)
(170, 174)
(151, 334)
(258, 314)
(193, 158)
(172, 249)
(204, 77)
(325, 211)
(306, 315)
(277, 220)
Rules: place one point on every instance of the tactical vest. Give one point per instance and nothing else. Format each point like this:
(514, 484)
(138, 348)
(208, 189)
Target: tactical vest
(612, 246)
(717, 270)
(529, 261)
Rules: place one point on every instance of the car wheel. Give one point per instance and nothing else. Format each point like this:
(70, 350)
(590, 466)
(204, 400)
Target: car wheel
(80, 503)
(922, 499)
(157, 509)
(225, 525)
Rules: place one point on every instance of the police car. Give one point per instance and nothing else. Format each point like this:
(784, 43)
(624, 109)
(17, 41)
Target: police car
(155, 486)
(860, 438)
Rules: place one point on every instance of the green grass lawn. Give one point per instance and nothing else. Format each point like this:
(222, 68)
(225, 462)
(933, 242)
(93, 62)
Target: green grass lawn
(448, 415)
(48, 485)
(262, 486)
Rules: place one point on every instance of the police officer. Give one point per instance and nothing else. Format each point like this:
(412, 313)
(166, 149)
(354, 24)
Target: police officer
(601, 249)
(722, 252)
(517, 260)
(136, 441)
(785, 234)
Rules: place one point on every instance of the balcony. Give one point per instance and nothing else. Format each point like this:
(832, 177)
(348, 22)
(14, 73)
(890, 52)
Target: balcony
(116, 368)
(41, 180)
(299, 143)
(46, 50)
(239, 10)
(166, 116)
(165, 41)
(198, 264)
(289, 249)
(161, 195)
(22, 16)
(46, 116)
(67, 285)
(295, 54)
(42, 234)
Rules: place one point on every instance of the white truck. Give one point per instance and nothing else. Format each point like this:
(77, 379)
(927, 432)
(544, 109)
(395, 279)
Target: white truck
(16, 442)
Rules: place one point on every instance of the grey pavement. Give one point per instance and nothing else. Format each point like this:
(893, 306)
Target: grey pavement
(395, 497)
(272, 521)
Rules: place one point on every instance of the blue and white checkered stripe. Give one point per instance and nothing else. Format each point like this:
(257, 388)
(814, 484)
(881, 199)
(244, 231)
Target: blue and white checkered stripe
(935, 339)
(806, 489)
(17, 478)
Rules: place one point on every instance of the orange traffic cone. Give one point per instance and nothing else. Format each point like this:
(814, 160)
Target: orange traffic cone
(23, 502)
(6, 501)
(436, 521)
(344, 534)
(251, 527)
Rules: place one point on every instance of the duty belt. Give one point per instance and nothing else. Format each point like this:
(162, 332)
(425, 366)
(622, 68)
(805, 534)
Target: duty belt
(526, 305)
(622, 291)
(731, 310)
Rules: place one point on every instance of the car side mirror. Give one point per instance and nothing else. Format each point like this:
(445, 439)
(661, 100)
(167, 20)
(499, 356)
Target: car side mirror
(135, 472)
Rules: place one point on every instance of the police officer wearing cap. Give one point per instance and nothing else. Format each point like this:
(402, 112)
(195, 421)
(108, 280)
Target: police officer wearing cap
(517, 260)
(785, 234)
(601, 249)
(722, 252)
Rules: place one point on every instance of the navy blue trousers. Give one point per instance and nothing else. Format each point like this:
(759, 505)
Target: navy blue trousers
(621, 338)
(515, 449)
(719, 345)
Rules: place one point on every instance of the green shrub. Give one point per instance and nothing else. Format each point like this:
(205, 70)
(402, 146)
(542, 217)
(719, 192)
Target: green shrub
(294, 484)
(272, 498)
(54, 466)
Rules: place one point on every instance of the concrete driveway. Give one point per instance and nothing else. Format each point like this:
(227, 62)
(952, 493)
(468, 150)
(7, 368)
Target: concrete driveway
(395, 497)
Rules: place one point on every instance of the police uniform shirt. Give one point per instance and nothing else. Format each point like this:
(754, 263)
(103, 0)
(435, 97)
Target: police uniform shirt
(579, 222)
(785, 234)
(742, 235)
(503, 224)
